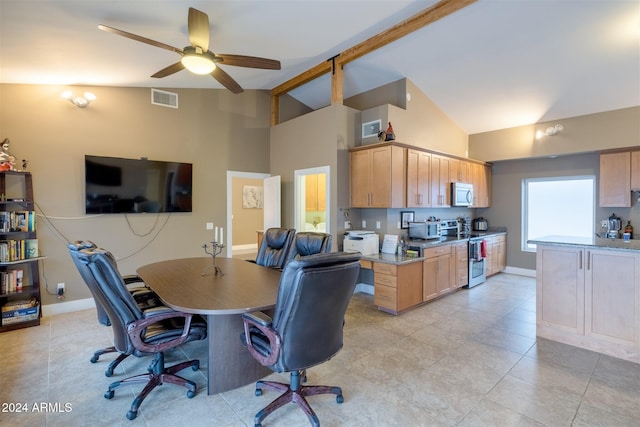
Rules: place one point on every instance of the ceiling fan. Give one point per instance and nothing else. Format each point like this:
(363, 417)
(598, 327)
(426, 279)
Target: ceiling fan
(197, 57)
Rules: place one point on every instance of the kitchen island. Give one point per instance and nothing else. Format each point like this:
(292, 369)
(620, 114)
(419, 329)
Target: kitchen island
(588, 293)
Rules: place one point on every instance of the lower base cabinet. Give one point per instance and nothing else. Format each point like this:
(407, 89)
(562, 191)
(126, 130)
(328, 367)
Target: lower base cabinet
(496, 254)
(589, 298)
(438, 272)
(397, 287)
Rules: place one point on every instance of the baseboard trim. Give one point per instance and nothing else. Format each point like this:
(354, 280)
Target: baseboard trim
(520, 271)
(68, 307)
(244, 247)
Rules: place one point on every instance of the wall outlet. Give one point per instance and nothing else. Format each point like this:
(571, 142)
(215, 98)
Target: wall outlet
(364, 223)
(347, 225)
(209, 226)
(60, 289)
(377, 225)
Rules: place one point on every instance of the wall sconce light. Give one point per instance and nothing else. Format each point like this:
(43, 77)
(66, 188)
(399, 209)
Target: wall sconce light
(550, 131)
(79, 101)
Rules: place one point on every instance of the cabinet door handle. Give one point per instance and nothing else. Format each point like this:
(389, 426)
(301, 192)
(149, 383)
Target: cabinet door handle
(580, 259)
(588, 260)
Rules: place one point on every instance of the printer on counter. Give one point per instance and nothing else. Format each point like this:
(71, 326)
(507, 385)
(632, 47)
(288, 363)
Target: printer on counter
(363, 241)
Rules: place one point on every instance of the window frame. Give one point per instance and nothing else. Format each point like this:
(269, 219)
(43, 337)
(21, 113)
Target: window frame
(524, 246)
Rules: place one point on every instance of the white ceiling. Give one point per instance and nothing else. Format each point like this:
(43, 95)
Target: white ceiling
(492, 65)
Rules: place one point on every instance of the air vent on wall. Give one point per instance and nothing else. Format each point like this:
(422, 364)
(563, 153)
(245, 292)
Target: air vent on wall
(166, 99)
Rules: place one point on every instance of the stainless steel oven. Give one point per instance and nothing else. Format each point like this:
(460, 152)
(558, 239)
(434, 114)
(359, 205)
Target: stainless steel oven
(477, 261)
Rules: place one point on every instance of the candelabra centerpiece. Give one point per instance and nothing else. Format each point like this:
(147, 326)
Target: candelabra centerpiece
(214, 250)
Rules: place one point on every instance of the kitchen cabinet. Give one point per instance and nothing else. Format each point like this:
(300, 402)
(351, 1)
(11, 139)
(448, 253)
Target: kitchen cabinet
(438, 272)
(378, 176)
(481, 180)
(635, 170)
(461, 254)
(458, 170)
(418, 178)
(615, 179)
(440, 194)
(589, 298)
(315, 192)
(397, 287)
(496, 254)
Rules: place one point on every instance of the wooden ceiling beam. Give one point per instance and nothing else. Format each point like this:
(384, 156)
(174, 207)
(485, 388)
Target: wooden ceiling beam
(335, 64)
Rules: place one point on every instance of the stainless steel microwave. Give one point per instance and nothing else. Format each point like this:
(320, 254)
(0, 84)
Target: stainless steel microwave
(424, 230)
(461, 194)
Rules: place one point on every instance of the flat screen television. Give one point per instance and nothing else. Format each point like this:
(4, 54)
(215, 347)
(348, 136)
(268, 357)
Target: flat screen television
(118, 185)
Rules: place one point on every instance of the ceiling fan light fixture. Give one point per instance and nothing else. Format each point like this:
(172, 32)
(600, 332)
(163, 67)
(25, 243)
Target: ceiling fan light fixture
(198, 63)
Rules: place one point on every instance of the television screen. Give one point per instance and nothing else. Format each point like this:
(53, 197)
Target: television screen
(117, 185)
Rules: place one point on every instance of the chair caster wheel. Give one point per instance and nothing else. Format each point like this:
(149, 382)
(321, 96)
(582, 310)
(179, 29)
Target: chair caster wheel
(131, 415)
(257, 425)
(94, 359)
(339, 398)
(258, 393)
(191, 394)
(108, 372)
(109, 394)
(196, 366)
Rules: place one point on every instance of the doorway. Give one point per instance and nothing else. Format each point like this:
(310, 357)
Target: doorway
(246, 225)
(312, 199)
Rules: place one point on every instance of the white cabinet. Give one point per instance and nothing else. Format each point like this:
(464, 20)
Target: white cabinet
(590, 298)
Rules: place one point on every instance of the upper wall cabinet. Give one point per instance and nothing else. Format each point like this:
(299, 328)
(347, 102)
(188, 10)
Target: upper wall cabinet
(635, 170)
(378, 177)
(393, 175)
(418, 178)
(615, 179)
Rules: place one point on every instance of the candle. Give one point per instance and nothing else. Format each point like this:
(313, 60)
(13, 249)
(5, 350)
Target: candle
(215, 235)
(221, 236)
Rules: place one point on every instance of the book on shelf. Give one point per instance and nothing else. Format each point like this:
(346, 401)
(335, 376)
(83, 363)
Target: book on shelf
(25, 312)
(31, 248)
(11, 281)
(17, 250)
(12, 221)
(20, 304)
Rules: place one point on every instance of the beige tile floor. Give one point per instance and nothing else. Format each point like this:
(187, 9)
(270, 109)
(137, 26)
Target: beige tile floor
(469, 359)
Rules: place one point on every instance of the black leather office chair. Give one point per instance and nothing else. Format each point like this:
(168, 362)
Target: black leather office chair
(308, 243)
(306, 328)
(143, 296)
(275, 246)
(137, 332)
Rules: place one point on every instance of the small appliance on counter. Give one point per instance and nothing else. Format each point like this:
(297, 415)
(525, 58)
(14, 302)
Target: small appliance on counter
(363, 241)
(450, 228)
(480, 224)
(614, 224)
(425, 230)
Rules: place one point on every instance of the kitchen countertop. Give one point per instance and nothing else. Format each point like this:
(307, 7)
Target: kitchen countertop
(595, 242)
(399, 259)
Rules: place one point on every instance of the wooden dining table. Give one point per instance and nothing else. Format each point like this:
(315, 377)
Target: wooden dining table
(191, 286)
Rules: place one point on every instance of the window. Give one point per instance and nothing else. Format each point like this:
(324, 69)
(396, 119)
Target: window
(557, 206)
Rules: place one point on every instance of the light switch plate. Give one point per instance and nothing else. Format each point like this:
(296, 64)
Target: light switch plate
(364, 223)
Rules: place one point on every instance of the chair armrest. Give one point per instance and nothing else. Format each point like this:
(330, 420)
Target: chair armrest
(262, 322)
(132, 278)
(137, 328)
(258, 317)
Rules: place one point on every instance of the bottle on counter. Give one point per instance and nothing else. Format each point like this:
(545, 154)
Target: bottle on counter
(629, 229)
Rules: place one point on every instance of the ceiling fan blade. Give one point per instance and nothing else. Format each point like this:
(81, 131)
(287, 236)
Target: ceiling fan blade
(249, 61)
(171, 69)
(139, 38)
(225, 80)
(198, 29)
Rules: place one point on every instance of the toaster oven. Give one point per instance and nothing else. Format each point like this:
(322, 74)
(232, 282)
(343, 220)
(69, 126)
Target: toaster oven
(424, 230)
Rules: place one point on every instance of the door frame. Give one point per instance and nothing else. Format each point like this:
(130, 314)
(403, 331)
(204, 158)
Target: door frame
(230, 176)
(299, 199)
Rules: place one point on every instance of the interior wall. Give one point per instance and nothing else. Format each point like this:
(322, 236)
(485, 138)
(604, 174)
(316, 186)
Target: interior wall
(506, 203)
(213, 129)
(320, 138)
(588, 133)
(246, 221)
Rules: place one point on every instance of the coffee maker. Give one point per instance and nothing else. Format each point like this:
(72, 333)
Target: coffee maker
(614, 224)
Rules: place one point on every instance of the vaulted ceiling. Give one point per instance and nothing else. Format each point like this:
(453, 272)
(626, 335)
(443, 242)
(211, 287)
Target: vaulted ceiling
(494, 64)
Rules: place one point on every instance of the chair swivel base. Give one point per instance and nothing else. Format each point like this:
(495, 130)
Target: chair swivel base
(112, 366)
(157, 377)
(296, 393)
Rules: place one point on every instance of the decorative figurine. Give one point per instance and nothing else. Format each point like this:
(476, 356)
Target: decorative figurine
(390, 136)
(7, 161)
